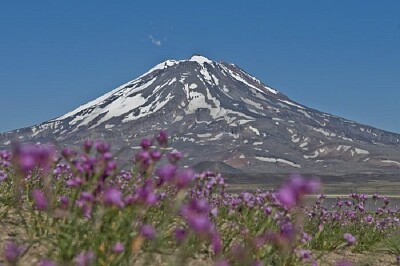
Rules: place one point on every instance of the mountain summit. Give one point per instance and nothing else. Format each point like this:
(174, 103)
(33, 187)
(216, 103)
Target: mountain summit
(216, 112)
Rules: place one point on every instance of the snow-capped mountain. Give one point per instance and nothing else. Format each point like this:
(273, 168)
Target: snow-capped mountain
(216, 112)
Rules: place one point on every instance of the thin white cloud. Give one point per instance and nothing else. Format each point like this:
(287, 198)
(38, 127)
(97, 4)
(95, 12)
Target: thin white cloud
(154, 40)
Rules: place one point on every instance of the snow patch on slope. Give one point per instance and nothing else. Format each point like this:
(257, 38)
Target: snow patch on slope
(277, 160)
(255, 130)
(200, 59)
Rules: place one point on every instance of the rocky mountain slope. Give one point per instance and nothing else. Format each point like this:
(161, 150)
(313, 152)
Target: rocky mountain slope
(218, 113)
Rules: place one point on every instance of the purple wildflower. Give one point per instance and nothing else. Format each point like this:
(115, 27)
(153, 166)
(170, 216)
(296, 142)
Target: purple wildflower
(155, 155)
(199, 223)
(118, 247)
(216, 243)
(102, 147)
(197, 215)
(143, 159)
(5, 155)
(146, 143)
(304, 254)
(64, 201)
(41, 202)
(291, 193)
(12, 252)
(214, 211)
(349, 238)
(268, 210)
(68, 153)
(180, 234)
(144, 194)
(113, 196)
(85, 258)
(183, 178)
(107, 156)
(28, 157)
(166, 173)
(148, 231)
(287, 196)
(162, 138)
(305, 238)
(287, 232)
(386, 200)
(87, 196)
(87, 145)
(125, 175)
(174, 156)
(74, 182)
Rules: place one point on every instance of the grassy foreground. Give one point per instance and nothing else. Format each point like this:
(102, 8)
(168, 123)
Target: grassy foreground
(76, 208)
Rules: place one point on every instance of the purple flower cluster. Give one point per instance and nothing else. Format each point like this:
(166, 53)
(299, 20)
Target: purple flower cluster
(28, 157)
(40, 201)
(12, 252)
(118, 214)
(291, 193)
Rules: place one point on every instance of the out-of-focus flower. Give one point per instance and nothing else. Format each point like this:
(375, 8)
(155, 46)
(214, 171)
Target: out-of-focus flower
(85, 258)
(197, 215)
(166, 173)
(74, 182)
(118, 247)
(13, 252)
(113, 196)
(305, 238)
(349, 238)
(87, 145)
(155, 155)
(68, 153)
(162, 138)
(148, 231)
(214, 211)
(183, 178)
(174, 156)
(144, 194)
(180, 234)
(143, 160)
(268, 210)
(369, 219)
(29, 156)
(5, 155)
(386, 200)
(216, 243)
(287, 233)
(146, 143)
(87, 196)
(304, 254)
(291, 193)
(125, 175)
(102, 147)
(40, 201)
(64, 201)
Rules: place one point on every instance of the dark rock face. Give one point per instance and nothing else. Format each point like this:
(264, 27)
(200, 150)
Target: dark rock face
(216, 112)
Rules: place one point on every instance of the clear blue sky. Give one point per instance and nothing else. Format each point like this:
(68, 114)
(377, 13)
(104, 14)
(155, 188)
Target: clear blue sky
(341, 57)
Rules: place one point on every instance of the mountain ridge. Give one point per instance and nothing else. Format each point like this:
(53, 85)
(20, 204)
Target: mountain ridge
(218, 112)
